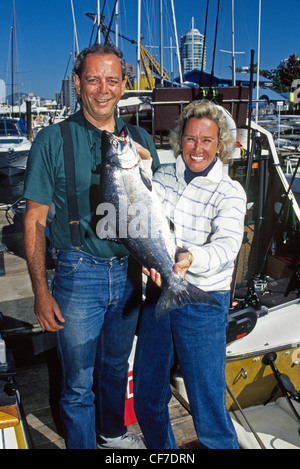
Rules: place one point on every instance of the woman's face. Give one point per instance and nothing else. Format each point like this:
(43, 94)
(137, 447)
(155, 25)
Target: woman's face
(200, 143)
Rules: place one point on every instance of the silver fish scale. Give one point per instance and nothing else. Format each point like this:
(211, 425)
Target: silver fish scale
(139, 215)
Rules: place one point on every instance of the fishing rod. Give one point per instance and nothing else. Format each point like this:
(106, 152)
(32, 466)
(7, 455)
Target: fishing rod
(204, 41)
(215, 43)
(250, 156)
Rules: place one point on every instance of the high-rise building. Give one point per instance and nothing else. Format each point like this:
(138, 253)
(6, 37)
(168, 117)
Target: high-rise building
(191, 48)
(2, 92)
(68, 94)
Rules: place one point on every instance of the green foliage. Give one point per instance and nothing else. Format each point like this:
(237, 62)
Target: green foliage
(284, 75)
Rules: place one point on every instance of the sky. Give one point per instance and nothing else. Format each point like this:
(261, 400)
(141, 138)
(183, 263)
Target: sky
(45, 35)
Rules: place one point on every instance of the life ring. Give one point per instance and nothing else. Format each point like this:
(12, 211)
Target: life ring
(229, 121)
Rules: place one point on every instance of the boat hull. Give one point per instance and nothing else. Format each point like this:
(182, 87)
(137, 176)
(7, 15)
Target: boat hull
(13, 163)
(250, 381)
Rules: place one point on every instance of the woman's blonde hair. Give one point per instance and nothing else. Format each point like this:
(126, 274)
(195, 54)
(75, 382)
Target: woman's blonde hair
(200, 109)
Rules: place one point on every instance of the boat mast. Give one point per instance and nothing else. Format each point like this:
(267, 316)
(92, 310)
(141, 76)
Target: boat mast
(14, 44)
(232, 40)
(99, 20)
(232, 52)
(258, 61)
(161, 45)
(139, 47)
(177, 44)
(75, 30)
(12, 69)
(117, 23)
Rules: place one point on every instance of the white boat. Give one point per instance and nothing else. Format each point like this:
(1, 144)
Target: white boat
(14, 147)
(253, 364)
(258, 366)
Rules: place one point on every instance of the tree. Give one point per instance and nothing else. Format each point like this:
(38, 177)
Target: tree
(284, 75)
(289, 72)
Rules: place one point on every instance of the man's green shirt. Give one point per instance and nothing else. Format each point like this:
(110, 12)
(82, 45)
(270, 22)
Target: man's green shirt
(45, 181)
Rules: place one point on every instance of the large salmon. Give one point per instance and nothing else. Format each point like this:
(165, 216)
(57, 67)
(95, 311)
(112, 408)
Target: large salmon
(134, 215)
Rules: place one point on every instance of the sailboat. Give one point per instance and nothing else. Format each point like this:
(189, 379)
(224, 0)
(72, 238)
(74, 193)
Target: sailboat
(14, 144)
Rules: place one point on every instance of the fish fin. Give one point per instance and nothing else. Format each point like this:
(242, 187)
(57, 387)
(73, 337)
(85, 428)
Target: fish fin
(124, 132)
(172, 298)
(145, 178)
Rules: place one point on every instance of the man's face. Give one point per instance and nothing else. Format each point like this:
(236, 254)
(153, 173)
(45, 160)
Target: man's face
(101, 87)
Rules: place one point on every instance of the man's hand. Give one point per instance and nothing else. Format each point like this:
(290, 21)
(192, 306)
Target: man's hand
(143, 152)
(48, 312)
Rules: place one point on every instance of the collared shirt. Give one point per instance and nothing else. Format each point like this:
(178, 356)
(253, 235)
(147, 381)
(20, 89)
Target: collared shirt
(189, 175)
(208, 218)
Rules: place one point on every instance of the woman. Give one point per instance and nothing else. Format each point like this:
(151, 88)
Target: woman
(206, 211)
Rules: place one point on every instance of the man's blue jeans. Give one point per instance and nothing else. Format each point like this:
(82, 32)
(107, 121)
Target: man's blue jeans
(100, 305)
(199, 335)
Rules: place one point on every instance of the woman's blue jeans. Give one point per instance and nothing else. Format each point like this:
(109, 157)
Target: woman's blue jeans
(199, 335)
(100, 304)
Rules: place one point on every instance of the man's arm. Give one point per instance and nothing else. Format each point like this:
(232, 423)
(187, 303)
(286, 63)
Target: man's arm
(45, 308)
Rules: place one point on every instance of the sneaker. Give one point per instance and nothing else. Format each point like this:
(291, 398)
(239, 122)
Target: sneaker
(127, 441)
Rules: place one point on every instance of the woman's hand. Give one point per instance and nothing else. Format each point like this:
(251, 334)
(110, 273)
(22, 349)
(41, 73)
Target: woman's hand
(184, 260)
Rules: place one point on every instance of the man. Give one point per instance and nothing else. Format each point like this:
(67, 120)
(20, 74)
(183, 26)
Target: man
(94, 306)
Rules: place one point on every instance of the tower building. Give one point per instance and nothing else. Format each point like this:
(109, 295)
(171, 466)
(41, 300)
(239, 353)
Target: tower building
(191, 48)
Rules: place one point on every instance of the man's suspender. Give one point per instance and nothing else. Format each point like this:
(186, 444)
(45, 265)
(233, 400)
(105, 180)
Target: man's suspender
(69, 161)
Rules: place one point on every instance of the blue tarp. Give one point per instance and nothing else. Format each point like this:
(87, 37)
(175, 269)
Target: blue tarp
(225, 79)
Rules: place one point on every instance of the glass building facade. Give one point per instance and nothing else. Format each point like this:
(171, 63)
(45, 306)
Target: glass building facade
(191, 48)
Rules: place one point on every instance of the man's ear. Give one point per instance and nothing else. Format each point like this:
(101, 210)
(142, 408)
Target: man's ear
(76, 81)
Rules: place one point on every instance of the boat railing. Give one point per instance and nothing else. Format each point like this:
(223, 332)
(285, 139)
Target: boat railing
(272, 150)
(291, 161)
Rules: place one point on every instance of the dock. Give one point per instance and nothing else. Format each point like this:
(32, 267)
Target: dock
(34, 351)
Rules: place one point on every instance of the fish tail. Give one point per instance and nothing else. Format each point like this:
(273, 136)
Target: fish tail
(173, 298)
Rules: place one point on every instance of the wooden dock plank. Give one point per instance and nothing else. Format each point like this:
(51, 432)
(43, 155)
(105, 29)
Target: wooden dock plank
(33, 383)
